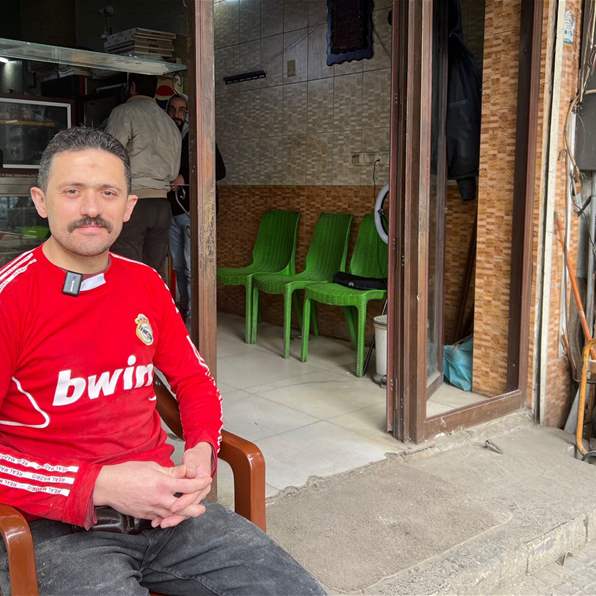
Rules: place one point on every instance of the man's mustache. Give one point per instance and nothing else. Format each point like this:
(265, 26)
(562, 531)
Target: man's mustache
(98, 221)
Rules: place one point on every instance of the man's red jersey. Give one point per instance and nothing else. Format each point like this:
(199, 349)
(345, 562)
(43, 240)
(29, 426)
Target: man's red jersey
(76, 382)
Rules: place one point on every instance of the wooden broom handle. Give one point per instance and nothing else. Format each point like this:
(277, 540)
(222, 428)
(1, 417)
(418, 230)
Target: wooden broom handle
(571, 268)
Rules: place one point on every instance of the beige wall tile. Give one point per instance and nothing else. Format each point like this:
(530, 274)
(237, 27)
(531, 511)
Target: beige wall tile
(320, 106)
(317, 53)
(270, 119)
(381, 42)
(295, 108)
(317, 12)
(225, 18)
(300, 129)
(347, 102)
(249, 13)
(272, 17)
(296, 48)
(273, 154)
(295, 14)
(272, 52)
(377, 97)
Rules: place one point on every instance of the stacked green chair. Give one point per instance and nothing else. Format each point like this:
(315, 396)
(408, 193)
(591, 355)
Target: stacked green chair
(368, 260)
(274, 251)
(327, 254)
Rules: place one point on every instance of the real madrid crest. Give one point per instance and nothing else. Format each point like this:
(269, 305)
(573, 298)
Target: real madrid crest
(144, 331)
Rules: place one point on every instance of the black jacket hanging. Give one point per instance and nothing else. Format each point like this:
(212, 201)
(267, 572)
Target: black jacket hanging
(464, 104)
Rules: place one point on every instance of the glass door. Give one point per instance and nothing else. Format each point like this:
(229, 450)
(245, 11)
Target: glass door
(426, 215)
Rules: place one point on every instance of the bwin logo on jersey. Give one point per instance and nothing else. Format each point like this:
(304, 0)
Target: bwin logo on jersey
(144, 330)
(70, 389)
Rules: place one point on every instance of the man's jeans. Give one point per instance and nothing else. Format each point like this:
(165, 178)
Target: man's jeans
(216, 553)
(180, 252)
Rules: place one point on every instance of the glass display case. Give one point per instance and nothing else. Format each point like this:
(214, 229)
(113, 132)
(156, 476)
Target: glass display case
(26, 127)
(20, 227)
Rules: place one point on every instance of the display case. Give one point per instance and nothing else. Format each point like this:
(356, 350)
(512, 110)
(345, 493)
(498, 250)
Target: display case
(26, 127)
(20, 227)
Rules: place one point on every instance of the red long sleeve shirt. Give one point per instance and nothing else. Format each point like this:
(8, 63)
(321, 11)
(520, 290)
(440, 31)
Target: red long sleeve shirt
(76, 382)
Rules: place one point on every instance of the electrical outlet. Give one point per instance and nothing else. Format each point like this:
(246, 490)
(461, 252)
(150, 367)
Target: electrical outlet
(291, 68)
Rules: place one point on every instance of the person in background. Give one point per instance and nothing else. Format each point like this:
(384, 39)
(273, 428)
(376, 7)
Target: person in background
(179, 201)
(153, 143)
(180, 237)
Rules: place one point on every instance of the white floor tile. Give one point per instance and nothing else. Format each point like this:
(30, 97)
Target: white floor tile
(324, 398)
(370, 423)
(254, 418)
(434, 408)
(320, 449)
(456, 398)
(260, 368)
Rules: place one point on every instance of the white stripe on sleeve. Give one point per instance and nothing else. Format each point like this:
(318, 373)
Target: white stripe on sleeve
(37, 466)
(50, 490)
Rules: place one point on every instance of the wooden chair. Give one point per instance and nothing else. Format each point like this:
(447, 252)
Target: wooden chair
(244, 457)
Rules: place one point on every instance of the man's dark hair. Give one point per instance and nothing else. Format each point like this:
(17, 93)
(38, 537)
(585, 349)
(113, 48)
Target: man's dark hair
(177, 96)
(144, 84)
(80, 138)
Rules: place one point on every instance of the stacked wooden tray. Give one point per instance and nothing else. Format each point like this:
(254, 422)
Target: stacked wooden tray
(147, 43)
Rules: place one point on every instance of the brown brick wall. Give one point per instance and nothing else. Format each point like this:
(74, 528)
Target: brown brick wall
(495, 196)
(459, 221)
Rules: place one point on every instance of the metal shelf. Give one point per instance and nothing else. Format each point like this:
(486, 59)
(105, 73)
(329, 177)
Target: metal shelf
(39, 52)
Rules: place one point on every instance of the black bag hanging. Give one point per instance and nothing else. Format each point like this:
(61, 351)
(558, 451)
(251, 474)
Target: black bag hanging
(358, 282)
(464, 104)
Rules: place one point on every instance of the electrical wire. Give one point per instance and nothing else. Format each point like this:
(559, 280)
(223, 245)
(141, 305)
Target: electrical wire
(574, 174)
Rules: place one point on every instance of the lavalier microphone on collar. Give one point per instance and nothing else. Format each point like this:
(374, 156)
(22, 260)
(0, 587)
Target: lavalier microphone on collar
(72, 283)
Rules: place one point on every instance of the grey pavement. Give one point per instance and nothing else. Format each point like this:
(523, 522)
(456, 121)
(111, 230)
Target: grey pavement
(450, 517)
(573, 573)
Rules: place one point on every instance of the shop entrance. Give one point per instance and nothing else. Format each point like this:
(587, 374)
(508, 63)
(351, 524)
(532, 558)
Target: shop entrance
(315, 138)
(423, 207)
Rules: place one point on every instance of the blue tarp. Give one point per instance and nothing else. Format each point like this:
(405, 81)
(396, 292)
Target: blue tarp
(457, 364)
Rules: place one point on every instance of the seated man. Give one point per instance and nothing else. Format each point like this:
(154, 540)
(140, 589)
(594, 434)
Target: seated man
(82, 451)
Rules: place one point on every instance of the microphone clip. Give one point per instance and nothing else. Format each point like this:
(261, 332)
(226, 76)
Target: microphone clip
(72, 283)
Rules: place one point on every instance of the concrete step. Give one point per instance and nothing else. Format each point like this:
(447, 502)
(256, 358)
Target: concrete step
(447, 517)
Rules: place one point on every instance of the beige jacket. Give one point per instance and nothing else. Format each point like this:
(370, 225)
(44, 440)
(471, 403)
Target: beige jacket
(153, 143)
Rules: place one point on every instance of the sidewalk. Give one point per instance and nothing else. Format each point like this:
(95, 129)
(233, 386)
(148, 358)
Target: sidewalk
(571, 574)
(449, 516)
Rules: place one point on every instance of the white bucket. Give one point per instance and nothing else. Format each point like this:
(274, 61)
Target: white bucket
(380, 324)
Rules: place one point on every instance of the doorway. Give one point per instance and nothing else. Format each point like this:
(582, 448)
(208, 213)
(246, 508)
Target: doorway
(297, 135)
(498, 276)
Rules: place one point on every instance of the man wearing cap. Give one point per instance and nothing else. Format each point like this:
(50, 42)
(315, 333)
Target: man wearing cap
(153, 143)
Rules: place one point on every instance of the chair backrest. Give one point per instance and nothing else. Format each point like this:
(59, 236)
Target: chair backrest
(275, 246)
(369, 258)
(328, 249)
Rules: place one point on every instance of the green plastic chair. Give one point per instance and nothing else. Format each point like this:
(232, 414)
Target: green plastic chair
(368, 260)
(274, 251)
(327, 254)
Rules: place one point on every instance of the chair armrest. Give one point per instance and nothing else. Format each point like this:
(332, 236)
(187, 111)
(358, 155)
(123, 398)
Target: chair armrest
(19, 547)
(248, 466)
(245, 459)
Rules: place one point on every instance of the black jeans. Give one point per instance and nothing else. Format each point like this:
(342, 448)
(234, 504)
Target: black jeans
(145, 237)
(215, 554)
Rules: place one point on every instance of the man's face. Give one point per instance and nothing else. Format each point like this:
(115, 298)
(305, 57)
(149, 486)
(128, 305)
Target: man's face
(177, 109)
(86, 201)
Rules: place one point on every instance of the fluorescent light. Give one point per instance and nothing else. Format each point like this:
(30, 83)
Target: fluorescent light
(5, 60)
